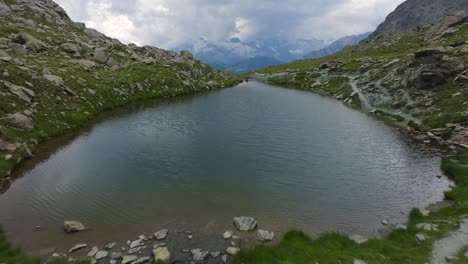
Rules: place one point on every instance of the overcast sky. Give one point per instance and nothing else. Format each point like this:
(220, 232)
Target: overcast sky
(170, 23)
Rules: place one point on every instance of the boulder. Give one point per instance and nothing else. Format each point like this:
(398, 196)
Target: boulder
(54, 79)
(4, 9)
(20, 121)
(142, 260)
(31, 43)
(70, 48)
(18, 49)
(20, 91)
(264, 235)
(100, 55)
(161, 234)
(161, 254)
(244, 223)
(112, 62)
(73, 226)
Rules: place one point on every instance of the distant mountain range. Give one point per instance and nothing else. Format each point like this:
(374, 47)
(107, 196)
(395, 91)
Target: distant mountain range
(239, 56)
(337, 46)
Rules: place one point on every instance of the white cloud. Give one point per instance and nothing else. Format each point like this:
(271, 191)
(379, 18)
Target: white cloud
(170, 23)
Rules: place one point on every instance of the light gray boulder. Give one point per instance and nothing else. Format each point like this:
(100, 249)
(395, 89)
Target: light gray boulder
(73, 226)
(245, 224)
(20, 121)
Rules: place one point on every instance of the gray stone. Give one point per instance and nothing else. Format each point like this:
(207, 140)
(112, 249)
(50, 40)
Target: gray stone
(161, 254)
(199, 255)
(232, 251)
(110, 246)
(430, 52)
(401, 227)
(128, 259)
(101, 254)
(20, 91)
(228, 234)
(70, 48)
(264, 235)
(244, 223)
(116, 255)
(420, 237)
(215, 254)
(54, 79)
(142, 260)
(20, 121)
(100, 55)
(18, 49)
(359, 239)
(358, 261)
(73, 226)
(4, 9)
(161, 234)
(93, 252)
(77, 247)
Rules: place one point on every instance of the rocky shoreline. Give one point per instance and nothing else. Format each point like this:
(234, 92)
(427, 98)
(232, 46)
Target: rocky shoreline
(168, 246)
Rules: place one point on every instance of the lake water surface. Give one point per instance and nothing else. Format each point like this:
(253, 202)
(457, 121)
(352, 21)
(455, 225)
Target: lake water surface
(291, 159)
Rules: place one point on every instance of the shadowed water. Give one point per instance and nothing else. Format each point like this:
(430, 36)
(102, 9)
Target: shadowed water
(292, 159)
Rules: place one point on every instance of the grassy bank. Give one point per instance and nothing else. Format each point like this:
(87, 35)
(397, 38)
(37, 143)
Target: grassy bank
(400, 247)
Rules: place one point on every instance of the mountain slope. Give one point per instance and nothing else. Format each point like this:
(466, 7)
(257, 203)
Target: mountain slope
(56, 74)
(337, 46)
(413, 13)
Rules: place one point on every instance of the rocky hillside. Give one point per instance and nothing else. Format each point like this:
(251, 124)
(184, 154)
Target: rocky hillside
(414, 13)
(416, 78)
(56, 74)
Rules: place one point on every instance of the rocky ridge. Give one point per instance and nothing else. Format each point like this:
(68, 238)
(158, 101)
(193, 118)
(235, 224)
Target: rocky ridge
(56, 74)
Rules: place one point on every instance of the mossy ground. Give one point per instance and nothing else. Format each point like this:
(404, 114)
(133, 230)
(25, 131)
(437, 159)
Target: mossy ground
(399, 248)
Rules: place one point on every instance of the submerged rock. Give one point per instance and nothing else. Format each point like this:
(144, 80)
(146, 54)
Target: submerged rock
(244, 223)
(264, 235)
(73, 226)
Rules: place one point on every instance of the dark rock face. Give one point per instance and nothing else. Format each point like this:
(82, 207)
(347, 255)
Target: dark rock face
(413, 13)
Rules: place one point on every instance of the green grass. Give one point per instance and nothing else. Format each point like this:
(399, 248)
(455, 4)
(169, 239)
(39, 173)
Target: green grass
(400, 247)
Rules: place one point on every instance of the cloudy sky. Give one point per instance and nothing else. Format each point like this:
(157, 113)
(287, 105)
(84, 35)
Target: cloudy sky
(171, 23)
